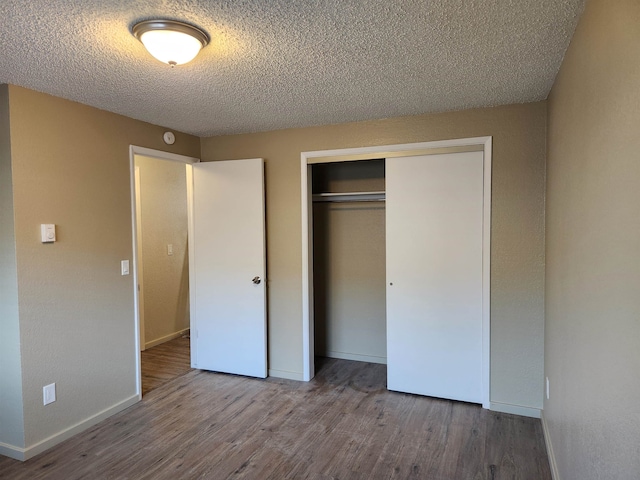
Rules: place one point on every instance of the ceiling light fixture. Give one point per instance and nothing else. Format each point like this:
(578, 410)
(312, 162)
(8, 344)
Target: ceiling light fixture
(171, 42)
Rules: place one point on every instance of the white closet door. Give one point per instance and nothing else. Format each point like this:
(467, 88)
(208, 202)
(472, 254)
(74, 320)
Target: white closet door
(434, 223)
(228, 268)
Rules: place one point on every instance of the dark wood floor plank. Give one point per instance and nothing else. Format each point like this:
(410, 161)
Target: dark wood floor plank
(342, 425)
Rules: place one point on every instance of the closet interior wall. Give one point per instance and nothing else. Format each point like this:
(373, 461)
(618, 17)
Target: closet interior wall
(349, 263)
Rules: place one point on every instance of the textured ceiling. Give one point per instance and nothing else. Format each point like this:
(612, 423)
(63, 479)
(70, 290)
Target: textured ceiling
(282, 63)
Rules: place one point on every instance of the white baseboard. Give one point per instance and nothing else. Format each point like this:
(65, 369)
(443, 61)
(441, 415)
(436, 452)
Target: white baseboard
(285, 374)
(12, 451)
(166, 338)
(552, 458)
(30, 452)
(356, 356)
(515, 409)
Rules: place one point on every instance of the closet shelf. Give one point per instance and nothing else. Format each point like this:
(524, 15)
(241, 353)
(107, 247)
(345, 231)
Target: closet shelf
(349, 197)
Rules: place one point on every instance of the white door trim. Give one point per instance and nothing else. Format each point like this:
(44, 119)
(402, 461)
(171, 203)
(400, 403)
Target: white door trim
(138, 260)
(174, 157)
(407, 149)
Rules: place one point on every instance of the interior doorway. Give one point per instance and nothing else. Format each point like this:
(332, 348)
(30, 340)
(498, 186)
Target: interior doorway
(161, 192)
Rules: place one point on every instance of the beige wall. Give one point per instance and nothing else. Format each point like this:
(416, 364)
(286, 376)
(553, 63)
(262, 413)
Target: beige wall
(71, 167)
(349, 264)
(163, 198)
(592, 330)
(517, 249)
(11, 416)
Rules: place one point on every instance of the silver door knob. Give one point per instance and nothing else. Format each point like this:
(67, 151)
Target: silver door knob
(256, 280)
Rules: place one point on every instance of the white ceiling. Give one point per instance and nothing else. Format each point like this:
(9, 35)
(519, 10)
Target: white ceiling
(283, 63)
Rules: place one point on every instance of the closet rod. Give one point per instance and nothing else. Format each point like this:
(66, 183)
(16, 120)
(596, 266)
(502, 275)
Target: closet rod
(349, 197)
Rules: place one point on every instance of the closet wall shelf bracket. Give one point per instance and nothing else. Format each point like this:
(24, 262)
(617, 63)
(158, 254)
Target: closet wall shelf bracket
(349, 197)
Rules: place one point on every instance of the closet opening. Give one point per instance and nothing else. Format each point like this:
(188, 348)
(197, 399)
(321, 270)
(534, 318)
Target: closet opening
(349, 264)
(430, 285)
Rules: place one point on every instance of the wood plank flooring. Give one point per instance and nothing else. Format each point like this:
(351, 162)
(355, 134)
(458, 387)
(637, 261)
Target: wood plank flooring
(342, 425)
(165, 362)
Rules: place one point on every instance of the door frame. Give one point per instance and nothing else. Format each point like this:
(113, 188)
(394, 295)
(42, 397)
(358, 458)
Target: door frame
(307, 159)
(160, 155)
(138, 260)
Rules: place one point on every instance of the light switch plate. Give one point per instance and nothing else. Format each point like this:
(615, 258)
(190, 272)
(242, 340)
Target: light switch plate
(124, 267)
(547, 387)
(49, 394)
(48, 232)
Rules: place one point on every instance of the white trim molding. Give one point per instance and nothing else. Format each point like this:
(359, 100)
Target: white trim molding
(285, 374)
(515, 409)
(166, 338)
(357, 357)
(553, 465)
(23, 454)
(483, 144)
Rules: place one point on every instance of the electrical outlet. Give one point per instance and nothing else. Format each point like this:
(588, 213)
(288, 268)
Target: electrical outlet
(547, 388)
(49, 394)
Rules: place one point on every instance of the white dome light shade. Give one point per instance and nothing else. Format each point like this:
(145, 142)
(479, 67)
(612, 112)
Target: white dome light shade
(174, 48)
(171, 42)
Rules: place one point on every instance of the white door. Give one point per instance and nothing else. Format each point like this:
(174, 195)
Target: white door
(434, 208)
(229, 330)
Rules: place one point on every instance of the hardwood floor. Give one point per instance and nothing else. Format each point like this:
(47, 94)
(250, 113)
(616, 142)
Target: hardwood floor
(342, 425)
(164, 362)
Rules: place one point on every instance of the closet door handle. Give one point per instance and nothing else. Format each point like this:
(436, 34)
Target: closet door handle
(256, 280)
